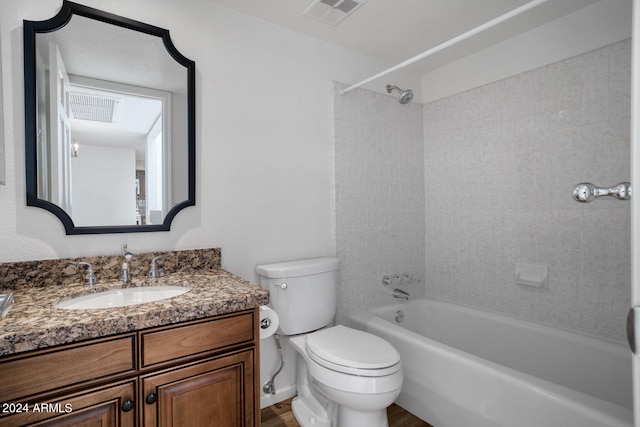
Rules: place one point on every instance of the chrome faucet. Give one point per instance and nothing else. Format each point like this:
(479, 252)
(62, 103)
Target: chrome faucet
(154, 271)
(90, 277)
(399, 293)
(125, 275)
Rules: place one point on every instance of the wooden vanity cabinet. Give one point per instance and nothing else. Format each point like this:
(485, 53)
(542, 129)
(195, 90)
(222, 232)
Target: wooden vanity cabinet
(199, 373)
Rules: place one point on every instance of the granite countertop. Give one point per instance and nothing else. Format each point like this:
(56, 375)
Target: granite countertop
(34, 322)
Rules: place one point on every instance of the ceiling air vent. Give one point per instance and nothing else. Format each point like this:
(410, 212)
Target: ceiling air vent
(95, 108)
(332, 11)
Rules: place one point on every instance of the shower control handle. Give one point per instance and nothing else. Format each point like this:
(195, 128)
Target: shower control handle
(586, 192)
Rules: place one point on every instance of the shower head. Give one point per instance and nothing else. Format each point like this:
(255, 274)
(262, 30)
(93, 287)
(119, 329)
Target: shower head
(405, 95)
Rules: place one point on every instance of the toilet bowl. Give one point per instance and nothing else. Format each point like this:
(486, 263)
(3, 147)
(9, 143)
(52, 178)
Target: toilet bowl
(344, 377)
(347, 378)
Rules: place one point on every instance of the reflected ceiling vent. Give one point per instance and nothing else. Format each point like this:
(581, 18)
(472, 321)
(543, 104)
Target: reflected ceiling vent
(332, 11)
(94, 108)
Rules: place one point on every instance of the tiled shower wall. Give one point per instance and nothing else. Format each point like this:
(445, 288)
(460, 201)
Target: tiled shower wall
(379, 204)
(500, 162)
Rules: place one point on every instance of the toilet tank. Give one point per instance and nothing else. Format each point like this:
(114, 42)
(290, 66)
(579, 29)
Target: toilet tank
(303, 292)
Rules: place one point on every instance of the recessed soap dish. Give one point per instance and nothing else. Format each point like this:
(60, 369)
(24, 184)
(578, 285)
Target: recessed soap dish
(6, 302)
(535, 275)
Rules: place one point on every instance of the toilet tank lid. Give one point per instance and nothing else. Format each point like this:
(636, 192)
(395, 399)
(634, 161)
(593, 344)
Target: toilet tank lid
(303, 267)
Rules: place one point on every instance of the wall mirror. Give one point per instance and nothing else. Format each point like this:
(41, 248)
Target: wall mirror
(110, 122)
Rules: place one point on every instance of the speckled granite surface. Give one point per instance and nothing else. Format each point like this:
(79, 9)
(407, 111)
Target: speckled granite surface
(43, 273)
(35, 323)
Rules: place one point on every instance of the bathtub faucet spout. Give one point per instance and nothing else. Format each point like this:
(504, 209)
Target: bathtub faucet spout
(399, 293)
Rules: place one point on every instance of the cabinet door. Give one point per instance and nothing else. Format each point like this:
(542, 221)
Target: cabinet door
(113, 406)
(217, 392)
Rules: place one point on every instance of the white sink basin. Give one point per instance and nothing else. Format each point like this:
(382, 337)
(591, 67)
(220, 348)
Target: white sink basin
(122, 297)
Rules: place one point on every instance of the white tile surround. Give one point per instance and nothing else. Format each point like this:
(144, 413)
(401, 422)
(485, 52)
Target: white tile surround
(499, 163)
(379, 203)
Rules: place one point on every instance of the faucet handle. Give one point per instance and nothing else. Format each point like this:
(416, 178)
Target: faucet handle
(126, 253)
(154, 271)
(91, 277)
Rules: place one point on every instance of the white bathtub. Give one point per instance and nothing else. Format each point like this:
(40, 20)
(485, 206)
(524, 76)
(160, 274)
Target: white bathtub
(468, 367)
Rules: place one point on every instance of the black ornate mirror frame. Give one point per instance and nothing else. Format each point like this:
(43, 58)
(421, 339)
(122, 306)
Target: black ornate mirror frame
(31, 28)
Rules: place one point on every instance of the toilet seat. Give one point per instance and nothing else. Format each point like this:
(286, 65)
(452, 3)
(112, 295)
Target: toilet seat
(352, 352)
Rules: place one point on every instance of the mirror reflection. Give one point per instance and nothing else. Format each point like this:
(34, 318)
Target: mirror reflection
(113, 122)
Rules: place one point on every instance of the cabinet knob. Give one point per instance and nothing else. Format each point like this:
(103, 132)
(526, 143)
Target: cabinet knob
(151, 398)
(127, 405)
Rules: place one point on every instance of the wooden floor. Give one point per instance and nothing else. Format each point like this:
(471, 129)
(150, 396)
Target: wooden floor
(280, 415)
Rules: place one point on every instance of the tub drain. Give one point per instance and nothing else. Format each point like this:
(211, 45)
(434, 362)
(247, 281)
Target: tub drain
(399, 316)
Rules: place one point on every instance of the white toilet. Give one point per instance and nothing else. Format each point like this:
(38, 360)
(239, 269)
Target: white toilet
(345, 377)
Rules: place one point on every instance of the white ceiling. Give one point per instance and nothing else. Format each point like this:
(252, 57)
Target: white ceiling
(396, 30)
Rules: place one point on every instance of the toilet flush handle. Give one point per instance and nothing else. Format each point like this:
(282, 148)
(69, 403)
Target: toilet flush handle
(284, 286)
